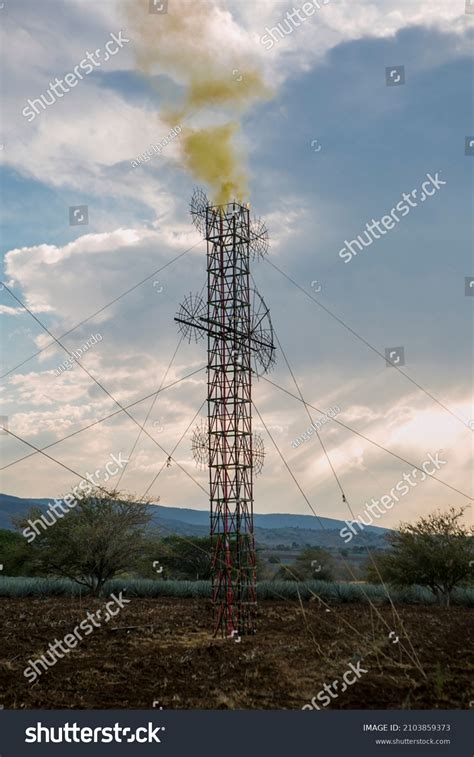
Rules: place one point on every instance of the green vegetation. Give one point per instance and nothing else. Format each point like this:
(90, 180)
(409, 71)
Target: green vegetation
(15, 554)
(103, 535)
(436, 552)
(311, 563)
(104, 543)
(332, 593)
(180, 558)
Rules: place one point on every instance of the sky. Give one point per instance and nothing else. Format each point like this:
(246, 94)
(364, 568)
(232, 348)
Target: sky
(340, 133)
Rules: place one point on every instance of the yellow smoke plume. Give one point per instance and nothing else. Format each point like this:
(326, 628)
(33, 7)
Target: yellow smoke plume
(198, 45)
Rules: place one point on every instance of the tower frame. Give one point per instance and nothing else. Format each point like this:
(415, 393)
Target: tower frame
(239, 345)
(229, 405)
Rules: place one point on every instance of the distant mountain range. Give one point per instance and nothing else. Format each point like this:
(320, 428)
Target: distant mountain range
(271, 529)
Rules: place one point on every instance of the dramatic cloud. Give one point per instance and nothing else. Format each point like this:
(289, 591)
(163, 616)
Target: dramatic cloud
(251, 112)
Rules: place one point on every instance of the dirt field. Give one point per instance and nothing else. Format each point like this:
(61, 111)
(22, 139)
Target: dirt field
(172, 661)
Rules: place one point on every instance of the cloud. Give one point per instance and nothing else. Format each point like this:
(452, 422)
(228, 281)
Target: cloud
(344, 21)
(96, 129)
(80, 149)
(7, 310)
(54, 277)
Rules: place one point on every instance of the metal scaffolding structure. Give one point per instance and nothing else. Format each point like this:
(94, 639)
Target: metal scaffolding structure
(240, 343)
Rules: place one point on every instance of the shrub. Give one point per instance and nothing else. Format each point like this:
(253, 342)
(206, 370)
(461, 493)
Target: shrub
(336, 593)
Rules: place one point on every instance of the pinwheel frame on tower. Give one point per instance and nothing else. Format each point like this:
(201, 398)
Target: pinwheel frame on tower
(189, 317)
(259, 240)
(198, 208)
(261, 335)
(200, 448)
(200, 445)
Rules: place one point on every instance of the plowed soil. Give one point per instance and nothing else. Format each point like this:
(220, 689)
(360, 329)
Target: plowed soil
(160, 653)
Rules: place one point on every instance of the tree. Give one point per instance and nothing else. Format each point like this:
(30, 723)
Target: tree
(15, 554)
(90, 544)
(182, 557)
(436, 552)
(312, 563)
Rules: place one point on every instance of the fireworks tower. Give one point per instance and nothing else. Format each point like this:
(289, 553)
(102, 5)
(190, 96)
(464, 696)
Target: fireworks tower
(240, 346)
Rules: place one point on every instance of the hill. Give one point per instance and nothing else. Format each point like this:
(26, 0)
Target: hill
(271, 529)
